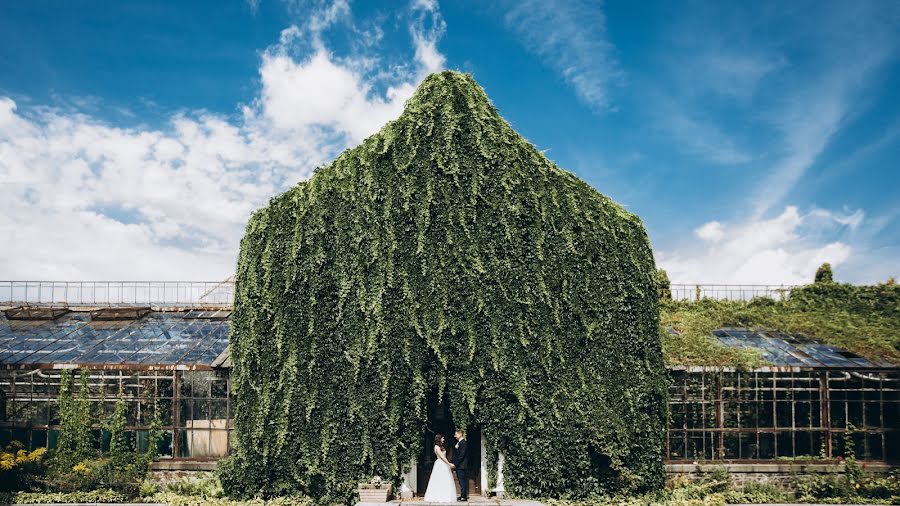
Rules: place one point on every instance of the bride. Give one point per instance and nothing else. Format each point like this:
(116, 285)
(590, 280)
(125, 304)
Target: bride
(441, 486)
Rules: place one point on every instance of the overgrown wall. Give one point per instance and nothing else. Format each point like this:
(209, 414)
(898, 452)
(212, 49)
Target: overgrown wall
(445, 254)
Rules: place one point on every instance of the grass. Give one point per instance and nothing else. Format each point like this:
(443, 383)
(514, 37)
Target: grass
(862, 319)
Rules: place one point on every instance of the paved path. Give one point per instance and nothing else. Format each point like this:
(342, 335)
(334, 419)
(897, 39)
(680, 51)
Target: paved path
(473, 500)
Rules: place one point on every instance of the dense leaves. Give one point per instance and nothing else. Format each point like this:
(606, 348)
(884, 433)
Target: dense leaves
(864, 319)
(445, 256)
(75, 443)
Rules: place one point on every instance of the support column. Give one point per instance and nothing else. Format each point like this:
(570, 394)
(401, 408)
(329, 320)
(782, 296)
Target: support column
(410, 479)
(483, 472)
(499, 490)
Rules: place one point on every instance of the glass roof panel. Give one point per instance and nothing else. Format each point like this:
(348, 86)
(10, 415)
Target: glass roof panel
(169, 338)
(783, 349)
(158, 338)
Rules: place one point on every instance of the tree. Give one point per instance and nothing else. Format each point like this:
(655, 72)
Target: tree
(664, 286)
(824, 274)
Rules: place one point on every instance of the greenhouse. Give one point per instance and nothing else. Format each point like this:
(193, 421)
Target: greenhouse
(808, 401)
(167, 363)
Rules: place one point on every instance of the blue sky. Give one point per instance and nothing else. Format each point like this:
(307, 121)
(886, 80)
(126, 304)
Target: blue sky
(756, 140)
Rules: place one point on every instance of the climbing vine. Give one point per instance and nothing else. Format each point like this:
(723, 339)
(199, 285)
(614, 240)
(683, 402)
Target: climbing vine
(75, 442)
(445, 255)
(121, 448)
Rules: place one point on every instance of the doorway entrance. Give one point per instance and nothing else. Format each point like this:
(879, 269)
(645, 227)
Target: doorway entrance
(439, 422)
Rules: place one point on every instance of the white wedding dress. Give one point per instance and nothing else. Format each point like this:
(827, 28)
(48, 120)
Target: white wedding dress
(441, 486)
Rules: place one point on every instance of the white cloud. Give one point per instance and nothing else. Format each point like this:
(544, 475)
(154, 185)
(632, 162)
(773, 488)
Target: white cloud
(570, 36)
(426, 31)
(785, 249)
(852, 220)
(322, 19)
(322, 91)
(711, 231)
(85, 199)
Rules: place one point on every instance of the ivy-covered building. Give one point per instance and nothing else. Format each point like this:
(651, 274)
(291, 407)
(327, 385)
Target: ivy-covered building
(445, 261)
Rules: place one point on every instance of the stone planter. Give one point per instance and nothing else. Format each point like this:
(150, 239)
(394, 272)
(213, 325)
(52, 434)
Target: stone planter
(369, 493)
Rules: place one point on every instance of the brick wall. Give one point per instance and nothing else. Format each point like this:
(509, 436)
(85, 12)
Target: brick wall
(167, 471)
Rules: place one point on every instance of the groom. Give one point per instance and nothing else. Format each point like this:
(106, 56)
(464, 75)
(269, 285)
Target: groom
(459, 463)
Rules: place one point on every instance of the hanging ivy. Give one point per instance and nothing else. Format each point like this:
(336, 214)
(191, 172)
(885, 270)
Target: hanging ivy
(445, 254)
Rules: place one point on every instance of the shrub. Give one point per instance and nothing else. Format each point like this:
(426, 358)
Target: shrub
(91, 496)
(758, 493)
(173, 499)
(664, 285)
(21, 469)
(148, 488)
(204, 485)
(882, 487)
(850, 486)
(123, 476)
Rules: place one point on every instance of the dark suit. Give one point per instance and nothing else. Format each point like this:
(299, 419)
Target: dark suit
(459, 460)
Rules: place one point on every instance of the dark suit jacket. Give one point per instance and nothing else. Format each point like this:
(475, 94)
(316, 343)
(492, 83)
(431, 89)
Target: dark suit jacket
(461, 455)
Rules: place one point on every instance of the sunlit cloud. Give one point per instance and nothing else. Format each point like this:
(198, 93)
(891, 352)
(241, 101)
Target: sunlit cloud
(87, 199)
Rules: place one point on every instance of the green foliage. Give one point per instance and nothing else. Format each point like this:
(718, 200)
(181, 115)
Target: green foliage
(850, 486)
(445, 256)
(694, 344)
(125, 476)
(758, 493)
(91, 497)
(148, 488)
(707, 490)
(76, 466)
(121, 448)
(173, 499)
(824, 274)
(712, 490)
(19, 468)
(203, 485)
(75, 442)
(154, 434)
(861, 319)
(886, 487)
